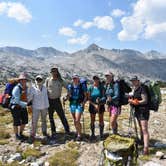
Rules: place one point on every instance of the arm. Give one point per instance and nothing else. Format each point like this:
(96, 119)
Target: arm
(16, 93)
(116, 92)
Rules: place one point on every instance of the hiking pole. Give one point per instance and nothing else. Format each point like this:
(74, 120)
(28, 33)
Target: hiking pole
(134, 120)
(83, 121)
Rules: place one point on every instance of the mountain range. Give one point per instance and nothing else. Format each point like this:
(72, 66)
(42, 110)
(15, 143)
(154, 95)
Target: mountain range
(86, 62)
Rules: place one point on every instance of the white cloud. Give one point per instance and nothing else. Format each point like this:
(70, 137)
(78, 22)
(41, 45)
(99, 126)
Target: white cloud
(80, 40)
(67, 31)
(78, 23)
(15, 10)
(101, 22)
(148, 21)
(117, 13)
(153, 30)
(105, 22)
(3, 7)
(87, 25)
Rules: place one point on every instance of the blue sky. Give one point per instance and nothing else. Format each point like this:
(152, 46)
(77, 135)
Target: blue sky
(70, 25)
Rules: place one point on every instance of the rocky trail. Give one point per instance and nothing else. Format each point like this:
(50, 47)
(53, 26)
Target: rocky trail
(65, 151)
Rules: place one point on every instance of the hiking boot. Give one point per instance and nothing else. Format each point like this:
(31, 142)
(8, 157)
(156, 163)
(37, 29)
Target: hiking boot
(23, 137)
(145, 151)
(92, 137)
(31, 139)
(101, 131)
(17, 137)
(78, 138)
(53, 136)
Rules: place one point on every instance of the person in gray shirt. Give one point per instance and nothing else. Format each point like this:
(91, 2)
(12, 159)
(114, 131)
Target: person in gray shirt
(54, 85)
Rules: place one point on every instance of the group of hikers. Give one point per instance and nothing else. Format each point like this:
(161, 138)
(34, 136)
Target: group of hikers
(44, 96)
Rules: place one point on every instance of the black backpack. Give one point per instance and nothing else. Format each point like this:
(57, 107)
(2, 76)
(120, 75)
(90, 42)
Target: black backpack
(124, 89)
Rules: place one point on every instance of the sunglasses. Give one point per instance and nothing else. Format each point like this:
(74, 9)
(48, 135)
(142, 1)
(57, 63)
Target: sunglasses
(39, 80)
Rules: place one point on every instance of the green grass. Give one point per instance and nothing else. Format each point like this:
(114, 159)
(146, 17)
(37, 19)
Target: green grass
(15, 163)
(3, 133)
(31, 152)
(66, 157)
(73, 145)
(3, 141)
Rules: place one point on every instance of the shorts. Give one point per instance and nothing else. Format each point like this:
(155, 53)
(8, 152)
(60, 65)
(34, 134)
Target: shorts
(20, 116)
(114, 110)
(142, 114)
(76, 108)
(92, 109)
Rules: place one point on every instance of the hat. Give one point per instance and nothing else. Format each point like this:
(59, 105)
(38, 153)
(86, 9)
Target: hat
(22, 76)
(75, 76)
(95, 77)
(108, 73)
(53, 68)
(39, 77)
(134, 78)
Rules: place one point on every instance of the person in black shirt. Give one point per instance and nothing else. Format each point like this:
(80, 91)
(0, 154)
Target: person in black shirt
(140, 103)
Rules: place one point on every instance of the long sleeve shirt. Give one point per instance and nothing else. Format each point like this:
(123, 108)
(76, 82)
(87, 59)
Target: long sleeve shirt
(16, 96)
(38, 97)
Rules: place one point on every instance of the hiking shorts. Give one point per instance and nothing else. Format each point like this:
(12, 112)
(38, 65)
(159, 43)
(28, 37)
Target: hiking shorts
(114, 110)
(142, 114)
(76, 108)
(92, 109)
(20, 116)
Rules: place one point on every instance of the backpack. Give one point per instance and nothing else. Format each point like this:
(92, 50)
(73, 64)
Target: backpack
(7, 95)
(124, 89)
(154, 95)
(119, 150)
(82, 87)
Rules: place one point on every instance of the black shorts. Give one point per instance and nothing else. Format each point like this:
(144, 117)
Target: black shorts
(92, 109)
(20, 116)
(142, 114)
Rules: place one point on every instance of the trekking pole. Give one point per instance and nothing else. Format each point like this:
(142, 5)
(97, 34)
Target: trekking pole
(83, 121)
(134, 120)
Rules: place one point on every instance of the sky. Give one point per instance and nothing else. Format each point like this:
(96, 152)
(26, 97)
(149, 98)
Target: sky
(71, 25)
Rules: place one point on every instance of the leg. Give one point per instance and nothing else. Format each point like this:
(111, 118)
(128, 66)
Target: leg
(35, 118)
(51, 116)
(16, 121)
(144, 127)
(44, 123)
(61, 115)
(92, 125)
(78, 124)
(24, 119)
(101, 124)
(113, 118)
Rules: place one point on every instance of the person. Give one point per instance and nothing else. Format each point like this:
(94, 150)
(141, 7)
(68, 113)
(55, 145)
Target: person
(54, 85)
(96, 93)
(39, 99)
(112, 101)
(140, 103)
(18, 108)
(77, 96)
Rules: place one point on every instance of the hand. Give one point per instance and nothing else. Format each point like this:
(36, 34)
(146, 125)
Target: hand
(109, 98)
(98, 100)
(133, 101)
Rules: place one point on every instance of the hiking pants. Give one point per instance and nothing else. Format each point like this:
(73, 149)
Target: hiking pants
(55, 104)
(35, 118)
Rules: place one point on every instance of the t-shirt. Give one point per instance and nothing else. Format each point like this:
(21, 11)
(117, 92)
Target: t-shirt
(95, 92)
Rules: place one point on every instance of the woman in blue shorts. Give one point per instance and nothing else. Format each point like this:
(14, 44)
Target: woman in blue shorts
(77, 97)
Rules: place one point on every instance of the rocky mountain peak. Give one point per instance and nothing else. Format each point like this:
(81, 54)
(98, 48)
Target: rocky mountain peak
(93, 47)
